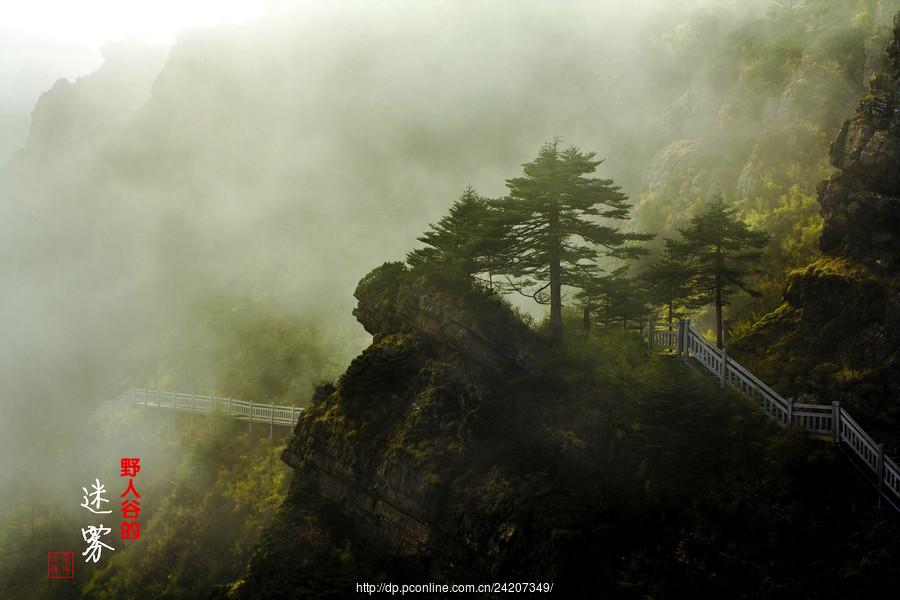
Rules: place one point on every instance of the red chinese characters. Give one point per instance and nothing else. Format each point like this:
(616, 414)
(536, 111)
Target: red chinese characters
(131, 505)
(131, 530)
(130, 467)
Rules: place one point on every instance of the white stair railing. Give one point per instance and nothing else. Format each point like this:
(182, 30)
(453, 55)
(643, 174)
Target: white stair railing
(822, 420)
(252, 412)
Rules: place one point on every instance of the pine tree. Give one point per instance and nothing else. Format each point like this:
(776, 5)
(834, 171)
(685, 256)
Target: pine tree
(668, 283)
(469, 240)
(721, 251)
(554, 214)
(615, 296)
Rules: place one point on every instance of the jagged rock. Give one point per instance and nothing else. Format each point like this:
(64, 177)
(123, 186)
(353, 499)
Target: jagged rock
(439, 457)
(477, 326)
(861, 203)
(388, 441)
(837, 334)
(76, 118)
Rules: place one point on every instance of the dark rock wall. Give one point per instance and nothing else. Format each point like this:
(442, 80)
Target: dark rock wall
(837, 334)
(394, 442)
(861, 203)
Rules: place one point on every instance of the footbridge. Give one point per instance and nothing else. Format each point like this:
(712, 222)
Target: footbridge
(271, 414)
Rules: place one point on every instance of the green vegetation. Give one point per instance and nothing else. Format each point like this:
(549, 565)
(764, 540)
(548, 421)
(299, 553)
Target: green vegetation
(470, 240)
(668, 283)
(560, 220)
(612, 296)
(267, 352)
(554, 227)
(778, 89)
(207, 490)
(547, 233)
(636, 480)
(721, 252)
(528, 237)
(587, 459)
(253, 347)
(200, 528)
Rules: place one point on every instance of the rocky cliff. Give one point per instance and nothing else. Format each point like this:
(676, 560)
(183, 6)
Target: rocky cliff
(430, 450)
(460, 447)
(837, 334)
(861, 203)
(390, 441)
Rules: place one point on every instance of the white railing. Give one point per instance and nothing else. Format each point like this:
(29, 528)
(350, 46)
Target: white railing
(252, 412)
(822, 420)
(664, 337)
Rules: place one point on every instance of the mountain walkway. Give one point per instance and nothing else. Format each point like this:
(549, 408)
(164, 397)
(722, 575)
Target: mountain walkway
(826, 422)
(273, 415)
(832, 423)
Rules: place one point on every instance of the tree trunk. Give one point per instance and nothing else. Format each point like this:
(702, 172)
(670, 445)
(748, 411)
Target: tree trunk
(586, 318)
(670, 313)
(718, 310)
(555, 277)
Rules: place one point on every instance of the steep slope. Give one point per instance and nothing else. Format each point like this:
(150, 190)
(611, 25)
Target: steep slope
(755, 121)
(837, 335)
(461, 448)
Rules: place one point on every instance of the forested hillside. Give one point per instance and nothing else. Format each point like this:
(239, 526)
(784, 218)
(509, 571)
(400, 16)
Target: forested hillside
(756, 119)
(539, 180)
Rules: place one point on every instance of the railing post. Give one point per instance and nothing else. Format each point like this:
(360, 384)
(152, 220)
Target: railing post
(879, 465)
(723, 368)
(228, 406)
(271, 420)
(687, 338)
(790, 411)
(292, 416)
(650, 336)
(250, 420)
(835, 422)
(144, 393)
(679, 337)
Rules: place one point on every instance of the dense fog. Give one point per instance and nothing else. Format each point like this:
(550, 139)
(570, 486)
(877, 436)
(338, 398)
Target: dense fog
(275, 163)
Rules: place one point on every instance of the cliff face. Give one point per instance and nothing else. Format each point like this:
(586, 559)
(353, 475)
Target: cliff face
(837, 334)
(460, 447)
(413, 401)
(861, 203)
(395, 441)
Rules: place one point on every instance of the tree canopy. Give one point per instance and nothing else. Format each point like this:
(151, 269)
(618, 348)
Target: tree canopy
(469, 240)
(722, 251)
(560, 220)
(668, 283)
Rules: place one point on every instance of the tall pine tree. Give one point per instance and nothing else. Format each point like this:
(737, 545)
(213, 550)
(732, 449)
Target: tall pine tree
(470, 240)
(721, 251)
(559, 220)
(612, 296)
(668, 282)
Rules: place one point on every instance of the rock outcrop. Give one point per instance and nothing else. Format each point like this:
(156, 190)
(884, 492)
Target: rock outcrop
(837, 334)
(861, 203)
(392, 441)
(444, 454)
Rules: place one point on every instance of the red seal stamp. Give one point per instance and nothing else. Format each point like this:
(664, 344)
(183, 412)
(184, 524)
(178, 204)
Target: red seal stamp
(60, 565)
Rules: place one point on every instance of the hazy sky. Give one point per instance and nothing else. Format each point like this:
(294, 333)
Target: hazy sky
(95, 21)
(45, 40)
